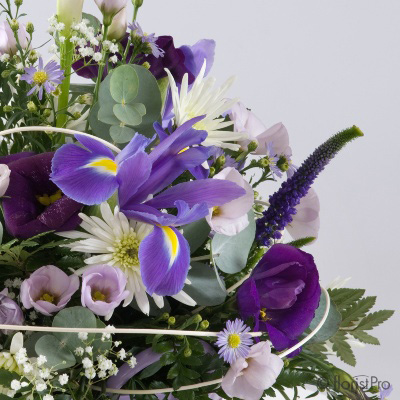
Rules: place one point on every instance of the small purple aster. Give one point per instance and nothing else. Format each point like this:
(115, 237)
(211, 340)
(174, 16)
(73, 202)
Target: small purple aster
(150, 39)
(234, 341)
(43, 77)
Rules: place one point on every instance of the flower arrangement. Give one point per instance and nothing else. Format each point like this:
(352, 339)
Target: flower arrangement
(138, 259)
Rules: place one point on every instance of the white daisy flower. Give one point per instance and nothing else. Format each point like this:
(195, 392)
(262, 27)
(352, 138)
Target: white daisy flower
(203, 99)
(115, 241)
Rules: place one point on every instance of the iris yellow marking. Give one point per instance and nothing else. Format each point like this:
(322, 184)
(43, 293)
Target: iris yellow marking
(173, 239)
(183, 150)
(106, 164)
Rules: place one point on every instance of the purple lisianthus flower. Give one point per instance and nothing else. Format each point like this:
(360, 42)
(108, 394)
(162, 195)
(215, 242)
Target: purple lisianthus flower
(43, 77)
(48, 290)
(103, 289)
(33, 204)
(10, 311)
(281, 294)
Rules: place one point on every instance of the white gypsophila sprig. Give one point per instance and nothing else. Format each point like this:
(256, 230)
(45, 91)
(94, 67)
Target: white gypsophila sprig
(202, 99)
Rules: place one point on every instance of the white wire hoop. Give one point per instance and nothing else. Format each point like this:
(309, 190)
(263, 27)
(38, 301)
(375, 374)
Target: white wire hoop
(148, 331)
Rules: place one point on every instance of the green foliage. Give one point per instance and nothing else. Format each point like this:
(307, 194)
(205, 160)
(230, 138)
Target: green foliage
(299, 243)
(205, 287)
(231, 252)
(342, 349)
(129, 102)
(196, 233)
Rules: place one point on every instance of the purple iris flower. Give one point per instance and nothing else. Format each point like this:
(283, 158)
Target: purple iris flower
(43, 77)
(281, 294)
(92, 174)
(32, 203)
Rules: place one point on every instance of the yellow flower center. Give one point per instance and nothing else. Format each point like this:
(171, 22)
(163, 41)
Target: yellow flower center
(126, 251)
(40, 77)
(199, 126)
(46, 200)
(234, 340)
(47, 297)
(263, 315)
(216, 211)
(98, 296)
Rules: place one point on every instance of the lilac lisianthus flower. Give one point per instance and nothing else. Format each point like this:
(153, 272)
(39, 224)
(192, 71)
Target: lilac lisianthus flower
(8, 44)
(43, 78)
(281, 294)
(248, 378)
(231, 218)
(103, 289)
(109, 8)
(246, 121)
(33, 204)
(48, 290)
(10, 311)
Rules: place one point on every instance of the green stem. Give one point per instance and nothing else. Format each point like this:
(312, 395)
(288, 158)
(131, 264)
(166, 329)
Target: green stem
(314, 360)
(101, 68)
(67, 51)
(284, 395)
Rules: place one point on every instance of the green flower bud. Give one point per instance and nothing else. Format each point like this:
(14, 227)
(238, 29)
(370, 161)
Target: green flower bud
(47, 113)
(146, 65)
(374, 389)
(264, 162)
(286, 362)
(31, 106)
(18, 3)
(283, 163)
(77, 115)
(164, 317)
(171, 321)
(343, 383)
(220, 161)
(180, 337)
(137, 3)
(14, 25)
(33, 56)
(259, 208)
(56, 92)
(204, 325)
(256, 194)
(7, 108)
(6, 73)
(187, 352)
(30, 28)
(197, 319)
(212, 172)
(252, 146)
(86, 98)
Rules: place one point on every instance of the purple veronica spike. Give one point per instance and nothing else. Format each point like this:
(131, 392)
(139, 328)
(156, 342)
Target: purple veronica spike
(43, 77)
(283, 203)
(234, 341)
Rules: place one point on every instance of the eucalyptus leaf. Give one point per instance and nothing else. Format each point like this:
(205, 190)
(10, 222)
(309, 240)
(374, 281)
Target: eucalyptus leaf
(196, 233)
(331, 325)
(130, 114)
(99, 129)
(78, 317)
(204, 287)
(124, 84)
(93, 21)
(57, 353)
(121, 134)
(106, 114)
(231, 252)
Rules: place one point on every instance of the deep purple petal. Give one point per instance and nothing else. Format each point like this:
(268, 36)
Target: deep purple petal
(14, 157)
(164, 272)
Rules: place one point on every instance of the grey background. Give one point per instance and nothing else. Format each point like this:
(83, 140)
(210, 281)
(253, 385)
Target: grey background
(318, 66)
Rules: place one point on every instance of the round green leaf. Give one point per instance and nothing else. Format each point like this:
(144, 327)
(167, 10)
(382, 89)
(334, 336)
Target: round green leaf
(196, 233)
(231, 252)
(106, 114)
(57, 354)
(204, 288)
(124, 84)
(121, 134)
(99, 129)
(77, 317)
(331, 325)
(130, 114)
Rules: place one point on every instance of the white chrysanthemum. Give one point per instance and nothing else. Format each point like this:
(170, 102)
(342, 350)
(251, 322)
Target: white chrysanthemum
(203, 99)
(115, 241)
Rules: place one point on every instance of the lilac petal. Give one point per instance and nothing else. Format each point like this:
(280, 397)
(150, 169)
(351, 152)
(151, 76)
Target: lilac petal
(40, 92)
(209, 191)
(72, 173)
(164, 272)
(131, 175)
(95, 146)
